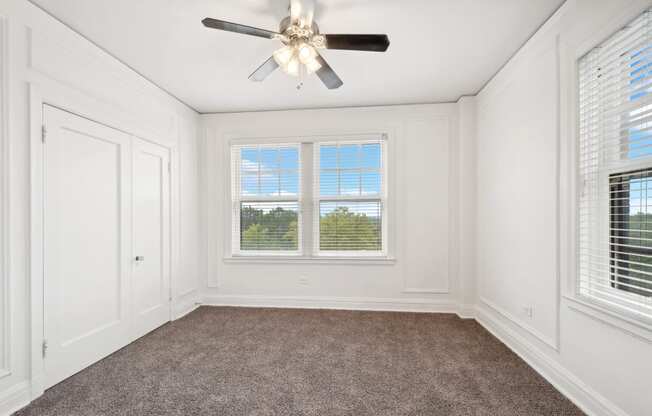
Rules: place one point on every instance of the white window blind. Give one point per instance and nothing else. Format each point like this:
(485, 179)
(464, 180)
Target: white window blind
(349, 192)
(615, 171)
(266, 193)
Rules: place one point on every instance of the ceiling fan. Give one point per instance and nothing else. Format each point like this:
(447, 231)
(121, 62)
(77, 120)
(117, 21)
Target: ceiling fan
(301, 40)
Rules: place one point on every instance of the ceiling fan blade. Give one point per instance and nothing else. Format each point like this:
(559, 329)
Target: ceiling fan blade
(327, 75)
(238, 28)
(264, 70)
(371, 43)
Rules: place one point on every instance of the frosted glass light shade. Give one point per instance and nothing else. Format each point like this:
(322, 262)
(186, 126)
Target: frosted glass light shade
(292, 67)
(284, 55)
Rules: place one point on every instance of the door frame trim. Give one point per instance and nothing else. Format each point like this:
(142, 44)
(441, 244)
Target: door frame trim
(82, 105)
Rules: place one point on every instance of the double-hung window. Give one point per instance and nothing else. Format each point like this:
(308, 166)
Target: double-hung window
(615, 172)
(329, 203)
(350, 196)
(266, 193)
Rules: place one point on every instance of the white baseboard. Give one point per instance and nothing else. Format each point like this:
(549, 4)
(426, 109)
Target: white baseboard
(466, 311)
(15, 398)
(358, 304)
(184, 305)
(587, 399)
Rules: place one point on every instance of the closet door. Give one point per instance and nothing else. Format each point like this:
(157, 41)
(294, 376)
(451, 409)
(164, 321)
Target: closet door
(151, 236)
(87, 265)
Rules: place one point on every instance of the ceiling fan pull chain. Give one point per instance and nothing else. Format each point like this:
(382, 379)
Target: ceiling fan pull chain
(302, 74)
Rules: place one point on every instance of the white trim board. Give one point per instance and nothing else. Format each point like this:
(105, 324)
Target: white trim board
(15, 398)
(584, 397)
(337, 303)
(185, 304)
(5, 286)
(552, 343)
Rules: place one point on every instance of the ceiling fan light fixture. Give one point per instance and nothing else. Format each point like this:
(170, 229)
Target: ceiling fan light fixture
(292, 67)
(283, 56)
(307, 53)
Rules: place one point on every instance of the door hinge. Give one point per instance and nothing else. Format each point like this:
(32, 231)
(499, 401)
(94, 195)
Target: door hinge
(44, 347)
(44, 133)
(169, 167)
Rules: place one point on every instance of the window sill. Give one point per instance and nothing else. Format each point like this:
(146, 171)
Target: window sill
(354, 261)
(626, 324)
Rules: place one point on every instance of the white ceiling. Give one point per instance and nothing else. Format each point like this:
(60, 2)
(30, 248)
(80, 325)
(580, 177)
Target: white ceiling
(440, 49)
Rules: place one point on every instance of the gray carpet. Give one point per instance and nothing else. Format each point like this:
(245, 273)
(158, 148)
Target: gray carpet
(230, 361)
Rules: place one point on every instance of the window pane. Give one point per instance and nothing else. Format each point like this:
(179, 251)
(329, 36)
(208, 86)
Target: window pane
(351, 169)
(328, 184)
(637, 123)
(249, 185)
(350, 183)
(249, 160)
(289, 183)
(269, 158)
(631, 232)
(261, 173)
(371, 183)
(350, 226)
(270, 183)
(328, 157)
(349, 156)
(371, 156)
(269, 226)
(289, 158)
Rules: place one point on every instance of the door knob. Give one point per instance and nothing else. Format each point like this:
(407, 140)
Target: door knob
(140, 258)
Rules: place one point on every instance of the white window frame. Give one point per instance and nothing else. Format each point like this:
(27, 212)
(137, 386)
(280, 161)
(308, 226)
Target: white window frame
(308, 205)
(608, 165)
(237, 199)
(603, 227)
(318, 199)
(570, 51)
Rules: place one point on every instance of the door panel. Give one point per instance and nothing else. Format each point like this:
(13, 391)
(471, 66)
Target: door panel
(151, 243)
(86, 242)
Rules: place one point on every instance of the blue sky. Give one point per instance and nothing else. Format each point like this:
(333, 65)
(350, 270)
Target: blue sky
(640, 196)
(640, 141)
(269, 171)
(351, 169)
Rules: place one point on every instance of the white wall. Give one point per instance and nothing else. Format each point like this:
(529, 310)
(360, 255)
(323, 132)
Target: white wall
(495, 209)
(423, 208)
(524, 230)
(44, 56)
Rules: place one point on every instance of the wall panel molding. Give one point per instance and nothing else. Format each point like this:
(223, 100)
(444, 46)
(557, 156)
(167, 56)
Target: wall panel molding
(5, 318)
(434, 276)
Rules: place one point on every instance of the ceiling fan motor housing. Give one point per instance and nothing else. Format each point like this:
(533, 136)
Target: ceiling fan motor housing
(293, 34)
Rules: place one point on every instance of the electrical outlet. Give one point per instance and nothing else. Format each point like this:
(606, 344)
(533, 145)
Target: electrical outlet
(304, 281)
(528, 311)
